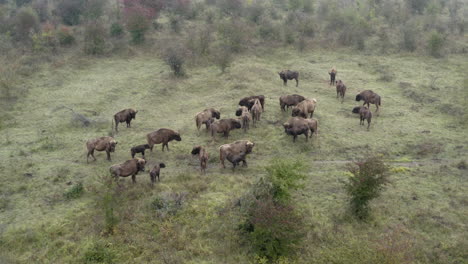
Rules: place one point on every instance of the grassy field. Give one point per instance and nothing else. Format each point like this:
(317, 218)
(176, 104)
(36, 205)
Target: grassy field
(421, 217)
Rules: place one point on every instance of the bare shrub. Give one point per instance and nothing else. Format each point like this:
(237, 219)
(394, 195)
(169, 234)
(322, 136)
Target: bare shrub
(175, 56)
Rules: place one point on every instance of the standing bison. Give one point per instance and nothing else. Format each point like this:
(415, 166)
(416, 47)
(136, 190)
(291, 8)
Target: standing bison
(340, 90)
(287, 101)
(245, 117)
(225, 126)
(205, 117)
(249, 101)
(130, 167)
(235, 152)
(124, 116)
(202, 156)
(286, 75)
(156, 171)
(333, 74)
(300, 126)
(256, 112)
(369, 97)
(163, 136)
(100, 144)
(304, 108)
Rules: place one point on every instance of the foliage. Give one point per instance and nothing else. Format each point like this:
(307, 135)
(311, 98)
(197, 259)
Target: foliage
(65, 37)
(45, 40)
(137, 19)
(94, 9)
(368, 179)
(70, 11)
(95, 38)
(285, 176)
(168, 203)
(42, 9)
(99, 253)
(116, 29)
(223, 58)
(20, 3)
(26, 22)
(74, 192)
(234, 34)
(435, 44)
(174, 56)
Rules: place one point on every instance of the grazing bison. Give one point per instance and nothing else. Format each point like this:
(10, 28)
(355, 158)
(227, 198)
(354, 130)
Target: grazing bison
(163, 136)
(139, 149)
(225, 126)
(256, 112)
(206, 117)
(124, 116)
(100, 144)
(245, 117)
(202, 156)
(298, 126)
(333, 74)
(304, 108)
(365, 114)
(130, 167)
(249, 101)
(369, 97)
(155, 171)
(340, 90)
(235, 152)
(286, 75)
(290, 100)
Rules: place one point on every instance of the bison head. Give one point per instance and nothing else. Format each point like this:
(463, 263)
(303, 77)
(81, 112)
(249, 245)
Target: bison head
(177, 137)
(282, 75)
(239, 111)
(296, 111)
(358, 97)
(162, 165)
(147, 146)
(141, 164)
(216, 114)
(356, 109)
(111, 145)
(196, 150)
(133, 114)
(236, 123)
(249, 146)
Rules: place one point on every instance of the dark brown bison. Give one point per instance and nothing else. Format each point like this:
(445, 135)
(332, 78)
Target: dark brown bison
(333, 72)
(298, 126)
(100, 144)
(163, 136)
(365, 114)
(155, 171)
(304, 108)
(369, 97)
(130, 167)
(124, 116)
(340, 90)
(249, 101)
(206, 117)
(286, 75)
(235, 152)
(139, 149)
(256, 112)
(245, 117)
(224, 126)
(290, 100)
(202, 156)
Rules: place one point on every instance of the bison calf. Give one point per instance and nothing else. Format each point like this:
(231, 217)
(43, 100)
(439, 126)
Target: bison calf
(340, 90)
(139, 149)
(333, 74)
(125, 115)
(286, 75)
(202, 156)
(155, 171)
(100, 144)
(249, 101)
(130, 167)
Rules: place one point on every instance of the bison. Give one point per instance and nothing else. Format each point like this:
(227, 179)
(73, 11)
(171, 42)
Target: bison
(369, 97)
(100, 144)
(290, 100)
(225, 126)
(130, 167)
(249, 101)
(304, 108)
(340, 90)
(125, 115)
(298, 126)
(139, 149)
(163, 136)
(365, 114)
(286, 75)
(206, 117)
(333, 74)
(202, 156)
(256, 112)
(155, 171)
(235, 152)
(245, 117)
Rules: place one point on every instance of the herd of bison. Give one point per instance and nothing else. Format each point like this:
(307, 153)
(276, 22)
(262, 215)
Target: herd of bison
(249, 111)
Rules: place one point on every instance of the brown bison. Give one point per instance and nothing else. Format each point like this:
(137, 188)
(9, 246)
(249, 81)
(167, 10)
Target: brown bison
(202, 156)
(249, 101)
(225, 126)
(235, 152)
(256, 112)
(298, 126)
(304, 108)
(130, 167)
(206, 117)
(139, 149)
(163, 136)
(124, 116)
(365, 114)
(290, 100)
(100, 144)
(340, 90)
(155, 171)
(286, 75)
(333, 74)
(369, 97)
(245, 117)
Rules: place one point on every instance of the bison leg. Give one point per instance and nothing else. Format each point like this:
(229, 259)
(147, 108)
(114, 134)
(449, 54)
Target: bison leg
(133, 154)
(297, 82)
(134, 178)
(91, 152)
(143, 154)
(368, 124)
(244, 163)
(294, 138)
(108, 155)
(311, 114)
(285, 82)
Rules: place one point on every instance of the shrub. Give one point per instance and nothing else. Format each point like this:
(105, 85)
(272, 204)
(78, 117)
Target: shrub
(137, 19)
(20, 3)
(409, 36)
(366, 182)
(174, 56)
(70, 11)
(435, 44)
(75, 192)
(42, 10)
(99, 253)
(199, 40)
(116, 30)
(94, 9)
(223, 58)
(65, 37)
(234, 34)
(168, 203)
(26, 22)
(285, 176)
(231, 7)
(175, 22)
(94, 39)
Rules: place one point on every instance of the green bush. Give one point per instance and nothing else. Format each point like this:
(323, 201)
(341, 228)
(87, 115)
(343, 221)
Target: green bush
(116, 30)
(70, 11)
(65, 37)
(137, 24)
(99, 253)
(435, 44)
(75, 192)
(94, 39)
(366, 182)
(234, 34)
(285, 176)
(223, 58)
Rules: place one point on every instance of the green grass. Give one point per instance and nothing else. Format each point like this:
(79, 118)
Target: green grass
(425, 205)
